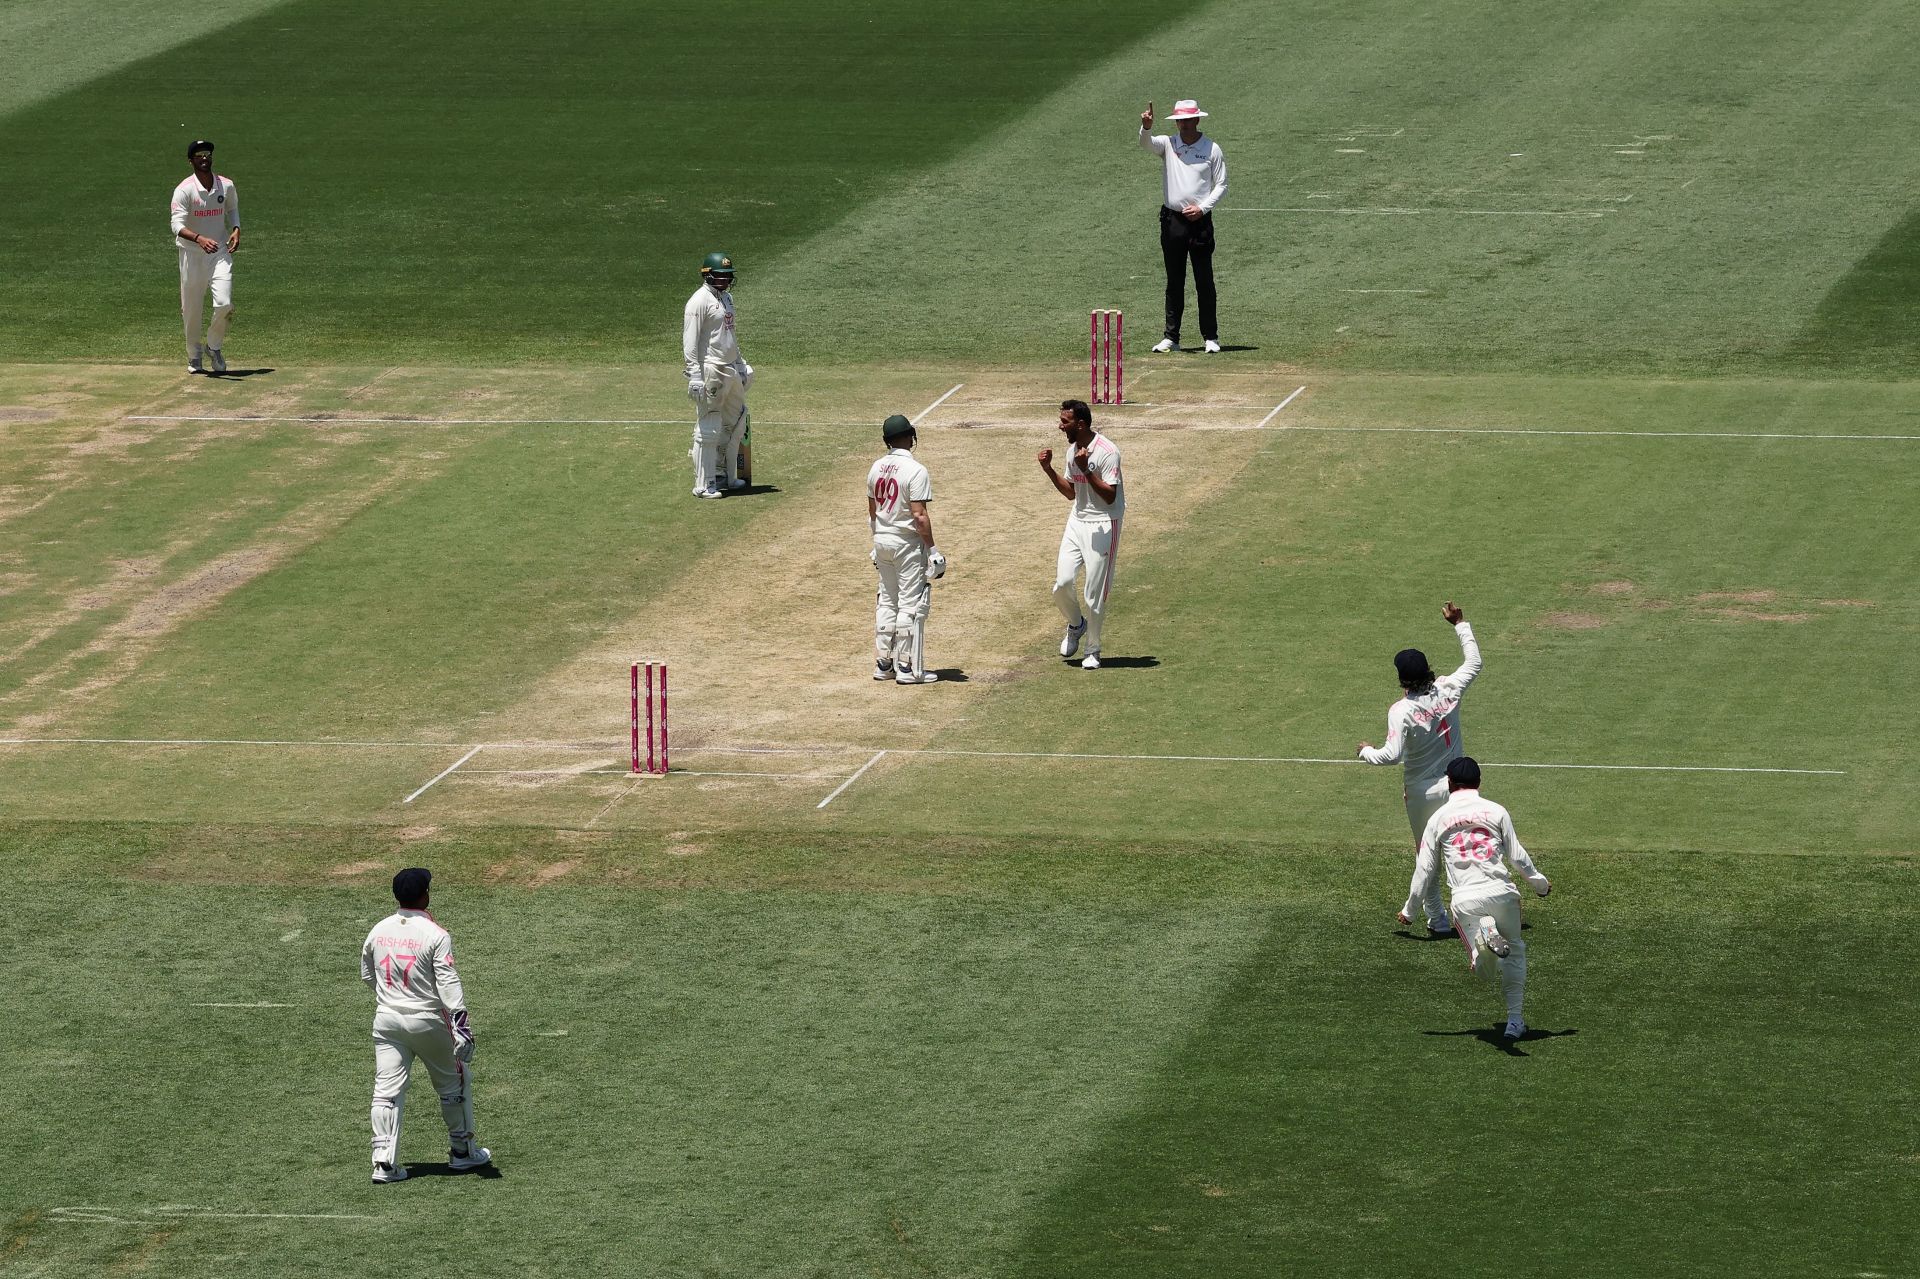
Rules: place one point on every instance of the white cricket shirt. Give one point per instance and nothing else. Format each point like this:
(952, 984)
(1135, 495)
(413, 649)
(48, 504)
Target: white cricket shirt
(209, 211)
(1473, 838)
(1194, 174)
(408, 960)
(1103, 458)
(894, 482)
(707, 337)
(1425, 730)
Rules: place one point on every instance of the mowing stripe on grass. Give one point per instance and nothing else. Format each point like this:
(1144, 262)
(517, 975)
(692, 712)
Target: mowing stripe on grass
(1407, 213)
(1651, 435)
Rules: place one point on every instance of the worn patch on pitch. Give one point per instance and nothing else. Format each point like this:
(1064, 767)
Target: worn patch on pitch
(1564, 621)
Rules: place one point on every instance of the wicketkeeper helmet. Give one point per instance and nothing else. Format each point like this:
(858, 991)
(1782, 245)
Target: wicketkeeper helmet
(717, 264)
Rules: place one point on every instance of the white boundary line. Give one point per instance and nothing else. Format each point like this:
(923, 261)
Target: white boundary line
(1281, 405)
(449, 769)
(937, 403)
(891, 750)
(1652, 435)
(877, 757)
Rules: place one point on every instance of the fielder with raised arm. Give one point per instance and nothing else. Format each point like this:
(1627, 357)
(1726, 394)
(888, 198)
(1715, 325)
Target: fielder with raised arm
(898, 492)
(422, 1012)
(1423, 728)
(205, 216)
(718, 379)
(1092, 537)
(1473, 839)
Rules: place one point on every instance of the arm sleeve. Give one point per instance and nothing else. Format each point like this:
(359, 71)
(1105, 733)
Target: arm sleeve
(1425, 867)
(366, 961)
(178, 213)
(233, 206)
(445, 980)
(921, 490)
(1469, 657)
(1517, 855)
(1153, 142)
(1218, 172)
(690, 340)
(1388, 752)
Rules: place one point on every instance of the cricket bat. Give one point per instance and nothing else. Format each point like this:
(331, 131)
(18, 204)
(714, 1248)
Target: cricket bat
(746, 450)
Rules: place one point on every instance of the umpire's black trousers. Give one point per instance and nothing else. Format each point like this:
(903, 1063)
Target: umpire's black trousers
(1180, 240)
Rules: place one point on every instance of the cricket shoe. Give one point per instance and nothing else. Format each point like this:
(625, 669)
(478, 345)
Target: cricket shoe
(1493, 939)
(1212, 347)
(477, 1156)
(1516, 1029)
(883, 670)
(1164, 345)
(736, 485)
(908, 677)
(1091, 662)
(1070, 642)
(384, 1173)
(710, 493)
(194, 365)
(219, 360)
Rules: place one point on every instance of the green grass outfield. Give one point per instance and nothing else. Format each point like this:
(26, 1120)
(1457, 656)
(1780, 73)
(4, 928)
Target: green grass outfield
(1598, 322)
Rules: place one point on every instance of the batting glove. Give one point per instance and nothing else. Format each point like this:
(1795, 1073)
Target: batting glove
(936, 566)
(746, 376)
(697, 391)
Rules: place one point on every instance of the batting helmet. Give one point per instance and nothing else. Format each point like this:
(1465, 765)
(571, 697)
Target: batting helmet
(717, 264)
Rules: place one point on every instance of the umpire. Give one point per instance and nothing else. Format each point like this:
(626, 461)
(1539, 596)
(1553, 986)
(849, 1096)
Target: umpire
(1196, 178)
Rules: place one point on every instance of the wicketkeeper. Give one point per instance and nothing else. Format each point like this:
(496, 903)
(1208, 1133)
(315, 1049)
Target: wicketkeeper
(408, 960)
(718, 379)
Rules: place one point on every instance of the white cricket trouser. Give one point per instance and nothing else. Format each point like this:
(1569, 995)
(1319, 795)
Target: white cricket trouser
(201, 271)
(904, 599)
(1420, 807)
(1089, 545)
(1472, 915)
(717, 432)
(397, 1039)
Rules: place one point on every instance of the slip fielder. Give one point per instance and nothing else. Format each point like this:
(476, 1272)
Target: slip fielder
(1092, 537)
(718, 379)
(1423, 727)
(206, 230)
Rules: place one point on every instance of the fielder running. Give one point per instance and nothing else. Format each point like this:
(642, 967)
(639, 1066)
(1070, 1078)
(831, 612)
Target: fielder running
(1424, 728)
(898, 491)
(1092, 538)
(1473, 838)
(422, 1012)
(206, 230)
(718, 379)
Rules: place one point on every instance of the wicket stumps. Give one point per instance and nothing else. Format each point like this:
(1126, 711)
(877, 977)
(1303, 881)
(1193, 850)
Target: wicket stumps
(656, 715)
(1106, 357)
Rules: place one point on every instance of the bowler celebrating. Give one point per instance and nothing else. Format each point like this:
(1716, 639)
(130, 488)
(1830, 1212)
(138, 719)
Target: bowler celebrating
(718, 378)
(1473, 838)
(1092, 538)
(206, 229)
(1423, 727)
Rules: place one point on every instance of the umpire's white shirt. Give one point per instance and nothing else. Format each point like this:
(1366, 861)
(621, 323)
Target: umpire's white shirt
(707, 337)
(1425, 730)
(209, 211)
(1473, 839)
(408, 960)
(1194, 174)
(894, 483)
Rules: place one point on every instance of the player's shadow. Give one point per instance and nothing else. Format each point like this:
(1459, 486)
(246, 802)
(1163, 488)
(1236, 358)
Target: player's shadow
(1449, 935)
(951, 675)
(231, 374)
(1495, 1037)
(1117, 663)
(486, 1172)
(754, 490)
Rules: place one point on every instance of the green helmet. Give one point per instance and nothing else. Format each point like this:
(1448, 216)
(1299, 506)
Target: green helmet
(717, 264)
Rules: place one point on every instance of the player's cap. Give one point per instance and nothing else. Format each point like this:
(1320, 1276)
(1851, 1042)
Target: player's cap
(1413, 667)
(717, 264)
(198, 145)
(1464, 773)
(1187, 109)
(411, 884)
(897, 427)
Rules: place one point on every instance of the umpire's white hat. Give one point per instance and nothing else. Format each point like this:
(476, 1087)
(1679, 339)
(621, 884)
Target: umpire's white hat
(1187, 109)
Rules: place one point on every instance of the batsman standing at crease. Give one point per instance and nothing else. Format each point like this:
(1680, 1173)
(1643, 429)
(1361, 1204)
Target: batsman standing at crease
(898, 491)
(718, 379)
(1195, 171)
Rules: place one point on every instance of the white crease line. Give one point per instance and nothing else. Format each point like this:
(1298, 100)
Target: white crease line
(456, 763)
(1281, 405)
(937, 403)
(1386, 290)
(1404, 213)
(615, 800)
(1655, 435)
(262, 1004)
(822, 749)
(877, 757)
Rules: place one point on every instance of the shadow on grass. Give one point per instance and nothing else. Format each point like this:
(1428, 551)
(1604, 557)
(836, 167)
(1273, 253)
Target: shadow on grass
(486, 1172)
(1117, 663)
(232, 374)
(1495, 1037)
(951, 675)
